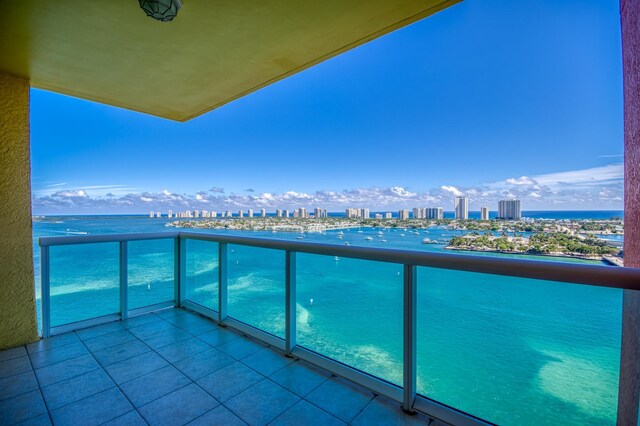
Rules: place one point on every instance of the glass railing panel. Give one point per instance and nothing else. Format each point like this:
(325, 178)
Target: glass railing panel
(85, 282)
(150, 272)
(201, 273)
(256, 280)
(352, 311)
(518, 351)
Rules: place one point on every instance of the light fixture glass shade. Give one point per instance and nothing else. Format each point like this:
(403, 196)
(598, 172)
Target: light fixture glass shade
(161, 10)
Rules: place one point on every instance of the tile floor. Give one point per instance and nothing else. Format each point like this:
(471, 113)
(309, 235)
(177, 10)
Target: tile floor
(175, 367)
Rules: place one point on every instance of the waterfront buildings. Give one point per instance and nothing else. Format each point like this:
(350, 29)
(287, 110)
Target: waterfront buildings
(403, 214)
(250, 213)
(352, 213)
(484, 213)
(263, 213)
(419, 213)
(388, 215)
(461, 208)
(319, 213)
(364, 213)
(509, 209)
(434, 213)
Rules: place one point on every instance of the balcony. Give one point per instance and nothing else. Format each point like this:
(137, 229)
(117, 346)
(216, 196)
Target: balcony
(176, 367)
(186, 314)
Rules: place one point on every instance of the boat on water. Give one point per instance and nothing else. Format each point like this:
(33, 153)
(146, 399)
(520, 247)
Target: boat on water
(368, 238)
(346, 243)
(402, 235)
(339, 236)
(299, 237)
(428, 241)
(336, 258)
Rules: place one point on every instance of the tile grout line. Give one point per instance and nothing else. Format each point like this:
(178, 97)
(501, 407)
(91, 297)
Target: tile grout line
(44, 401)
(375, 395)
(114, 383)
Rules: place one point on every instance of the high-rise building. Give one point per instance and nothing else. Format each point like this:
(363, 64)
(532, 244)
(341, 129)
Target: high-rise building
(151, 214)
(240, 214)
(434, 213)
(461, 208)
(285, 213)
(352, 213)
(278, 213)
(303, 213)
(419, 213)
(509, 209)
(388, 215)
(364, 213)
(170, 214)
(378, 216)
(263, 213)
(317, 213)
(403, 214)
(484, 213)
(214, 214)
(250, 213)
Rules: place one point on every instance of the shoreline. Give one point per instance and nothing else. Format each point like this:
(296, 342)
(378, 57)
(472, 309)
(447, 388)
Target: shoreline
(611, 260)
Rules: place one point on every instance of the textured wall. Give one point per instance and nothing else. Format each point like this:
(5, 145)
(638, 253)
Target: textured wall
(17, 298)
(630, 358)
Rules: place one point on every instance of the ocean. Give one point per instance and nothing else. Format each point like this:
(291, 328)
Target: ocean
(513, 351)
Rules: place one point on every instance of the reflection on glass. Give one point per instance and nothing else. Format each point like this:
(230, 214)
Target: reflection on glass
(85, 282)
(150, 272)
(351, 310)
(518, 351)
(257, 287)
(202, 273)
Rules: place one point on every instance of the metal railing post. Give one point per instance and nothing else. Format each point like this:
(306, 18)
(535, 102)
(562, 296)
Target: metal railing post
(124, 281)
(409, 339)
(629, 385)
(223, 295)
(290, 298)
(45, 291)
(179, 265)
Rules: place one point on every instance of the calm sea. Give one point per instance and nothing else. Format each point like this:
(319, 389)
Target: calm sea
(513, 351)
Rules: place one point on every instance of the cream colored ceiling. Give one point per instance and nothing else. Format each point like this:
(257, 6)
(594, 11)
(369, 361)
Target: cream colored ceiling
(215, 51)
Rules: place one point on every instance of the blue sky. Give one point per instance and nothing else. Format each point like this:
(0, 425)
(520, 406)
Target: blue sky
(490, 99)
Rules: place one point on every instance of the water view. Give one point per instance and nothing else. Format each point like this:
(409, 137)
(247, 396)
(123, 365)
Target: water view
(509, 350)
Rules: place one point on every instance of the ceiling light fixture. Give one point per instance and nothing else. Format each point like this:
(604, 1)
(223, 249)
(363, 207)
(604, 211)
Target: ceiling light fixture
(161, 10)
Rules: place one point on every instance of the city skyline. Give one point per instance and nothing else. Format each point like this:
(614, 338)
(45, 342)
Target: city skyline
(480, 100)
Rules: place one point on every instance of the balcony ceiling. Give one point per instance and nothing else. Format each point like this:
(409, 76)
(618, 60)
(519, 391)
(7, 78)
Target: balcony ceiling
(214, 52)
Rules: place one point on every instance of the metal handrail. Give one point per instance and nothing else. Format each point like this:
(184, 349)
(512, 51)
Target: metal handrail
(572, 273)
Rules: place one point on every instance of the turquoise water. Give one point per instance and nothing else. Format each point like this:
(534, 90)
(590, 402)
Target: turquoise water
(510, 350)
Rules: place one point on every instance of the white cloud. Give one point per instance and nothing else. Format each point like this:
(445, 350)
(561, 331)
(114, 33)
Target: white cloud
(522, 180)
(594, 188)
(452, 189)
(594, 176)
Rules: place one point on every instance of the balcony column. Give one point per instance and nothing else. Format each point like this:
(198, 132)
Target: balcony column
(629, 392)
(17, 295)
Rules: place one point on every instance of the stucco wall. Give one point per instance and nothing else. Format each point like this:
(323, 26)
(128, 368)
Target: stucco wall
(629, 393)
(17, 296)
(630, 11)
